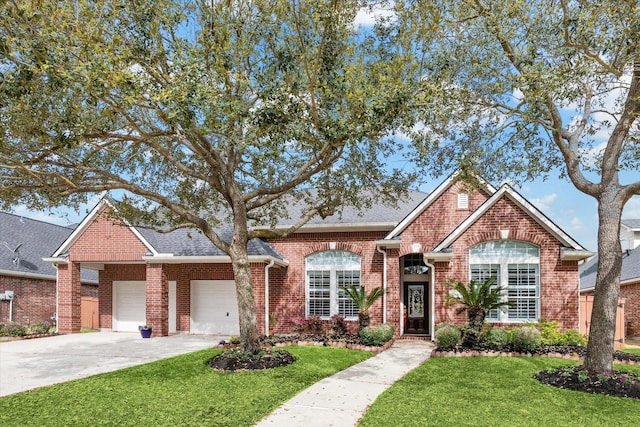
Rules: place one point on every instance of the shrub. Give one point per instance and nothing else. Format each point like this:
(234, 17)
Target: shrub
(494, 339)
(574, 337)
(314, 324)
(376, 335)
(525, 338)
(338, 325)
(41, 327)
(13, 329)
(470, 336)
(443, 324)
(448, 337)
(549, 333)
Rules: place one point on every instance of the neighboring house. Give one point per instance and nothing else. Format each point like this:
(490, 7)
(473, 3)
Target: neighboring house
(629, 275)
(180, 283)
(27, 283)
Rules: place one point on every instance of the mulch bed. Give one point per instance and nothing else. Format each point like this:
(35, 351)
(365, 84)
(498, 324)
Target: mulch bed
(273, 356)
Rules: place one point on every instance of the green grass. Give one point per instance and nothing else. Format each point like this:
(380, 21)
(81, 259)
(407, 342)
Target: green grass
(181, 391)
(494, 391)
(631, 350)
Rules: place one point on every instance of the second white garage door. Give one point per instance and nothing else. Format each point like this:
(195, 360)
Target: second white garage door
(214, 307)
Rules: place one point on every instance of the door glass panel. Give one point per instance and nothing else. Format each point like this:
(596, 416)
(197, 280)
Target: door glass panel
(415, 301)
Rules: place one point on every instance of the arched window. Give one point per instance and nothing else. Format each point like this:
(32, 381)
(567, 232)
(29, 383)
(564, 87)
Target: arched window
(327, 272)
(516, 267)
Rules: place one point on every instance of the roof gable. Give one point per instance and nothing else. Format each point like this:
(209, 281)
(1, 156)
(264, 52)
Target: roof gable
(507, 191)
(429, 200)
(96, 213)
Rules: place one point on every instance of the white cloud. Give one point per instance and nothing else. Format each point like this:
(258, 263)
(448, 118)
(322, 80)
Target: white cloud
(632, 208)
(544, 203)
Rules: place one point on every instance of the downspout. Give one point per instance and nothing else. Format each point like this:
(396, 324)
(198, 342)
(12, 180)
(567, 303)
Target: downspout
(266, 296)
(432, 304)
(57, 299)
(384, 284)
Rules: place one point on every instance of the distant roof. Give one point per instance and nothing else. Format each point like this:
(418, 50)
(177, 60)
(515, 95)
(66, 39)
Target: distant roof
(631, 223)
(24, 242)
(630, 269)
(381, 214)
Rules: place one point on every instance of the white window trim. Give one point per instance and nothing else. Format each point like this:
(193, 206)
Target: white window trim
(334, 305)
(504, 262)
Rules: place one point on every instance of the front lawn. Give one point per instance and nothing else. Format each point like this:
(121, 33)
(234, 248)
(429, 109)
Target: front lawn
(634, 350)
(494, 391)
(181, 390)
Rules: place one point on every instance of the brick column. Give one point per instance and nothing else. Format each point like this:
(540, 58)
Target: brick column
(69, 291)
(158, 299)
(393, 289)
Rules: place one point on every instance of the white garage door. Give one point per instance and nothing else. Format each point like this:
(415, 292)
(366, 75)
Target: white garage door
(129, 306)
(214, 307)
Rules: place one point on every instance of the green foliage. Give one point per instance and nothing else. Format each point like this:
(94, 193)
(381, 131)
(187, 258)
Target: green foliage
(42, 327)
(477, 299)
(550, 334)
(12, 329)
(494, 339)
(202, 114)
(377, 335)
(363, 300)
(448, 337)
(525, 338)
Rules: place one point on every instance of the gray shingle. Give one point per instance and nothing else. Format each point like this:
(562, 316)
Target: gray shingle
(630, 269)
(24, 242)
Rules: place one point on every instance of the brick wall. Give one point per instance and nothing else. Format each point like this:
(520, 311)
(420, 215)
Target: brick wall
(631, 308)
(287, 290)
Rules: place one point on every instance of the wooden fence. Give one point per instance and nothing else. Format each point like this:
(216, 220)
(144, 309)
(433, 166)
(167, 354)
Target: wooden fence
(89, 312)
(586, 306)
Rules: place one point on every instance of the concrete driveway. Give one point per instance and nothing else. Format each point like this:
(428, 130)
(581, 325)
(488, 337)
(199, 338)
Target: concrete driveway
(39, 362)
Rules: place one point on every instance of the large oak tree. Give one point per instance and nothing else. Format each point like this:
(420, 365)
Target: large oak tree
(531, 86)
(199, 113)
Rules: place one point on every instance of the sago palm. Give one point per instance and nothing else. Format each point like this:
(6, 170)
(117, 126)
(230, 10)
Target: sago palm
(477, 299)
(363, 301)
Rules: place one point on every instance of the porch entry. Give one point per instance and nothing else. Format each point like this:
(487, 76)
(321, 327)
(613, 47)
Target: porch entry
(416, 303)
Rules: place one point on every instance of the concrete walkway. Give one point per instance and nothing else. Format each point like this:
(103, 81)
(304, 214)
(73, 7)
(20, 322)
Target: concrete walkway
(342, 399)
(28, 364)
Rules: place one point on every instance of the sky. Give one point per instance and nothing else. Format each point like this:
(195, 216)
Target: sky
(571, 210)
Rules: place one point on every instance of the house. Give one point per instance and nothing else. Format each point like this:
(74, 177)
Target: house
(180, 283)
(27, 283)
(629, 275)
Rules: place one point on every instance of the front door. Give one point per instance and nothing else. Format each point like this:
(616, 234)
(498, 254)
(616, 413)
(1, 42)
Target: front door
(416, 308)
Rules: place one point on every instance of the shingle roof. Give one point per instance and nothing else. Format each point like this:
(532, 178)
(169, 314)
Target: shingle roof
(630, 269)
(376, 214)
(24, 242)
(191, 242)
(631, 223)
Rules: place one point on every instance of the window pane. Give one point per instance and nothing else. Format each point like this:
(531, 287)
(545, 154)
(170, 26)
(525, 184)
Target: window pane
(319, 293)
(481, 272)
(414, 264)
(523, 291)
(504, 249)
(333, 258)
(346, 307)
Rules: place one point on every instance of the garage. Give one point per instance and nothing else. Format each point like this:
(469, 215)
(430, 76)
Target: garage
(214, 307)
(129, 305)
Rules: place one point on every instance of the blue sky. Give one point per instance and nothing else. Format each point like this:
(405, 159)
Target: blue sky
(573, 211)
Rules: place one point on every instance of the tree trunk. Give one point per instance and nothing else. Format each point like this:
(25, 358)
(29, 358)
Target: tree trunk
(364, 319)
(600, 348)
(476, 318)
(249, 338)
